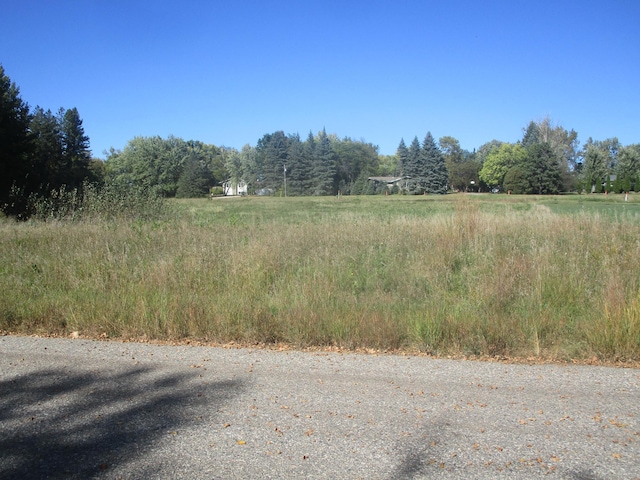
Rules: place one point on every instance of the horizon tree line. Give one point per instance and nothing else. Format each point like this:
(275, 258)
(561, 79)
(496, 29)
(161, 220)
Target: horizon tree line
(42, 151)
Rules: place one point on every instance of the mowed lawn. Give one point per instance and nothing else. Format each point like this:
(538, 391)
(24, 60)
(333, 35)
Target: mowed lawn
(462, 274)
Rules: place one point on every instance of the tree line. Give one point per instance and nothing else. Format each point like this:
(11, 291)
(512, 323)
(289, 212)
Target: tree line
(41, 152)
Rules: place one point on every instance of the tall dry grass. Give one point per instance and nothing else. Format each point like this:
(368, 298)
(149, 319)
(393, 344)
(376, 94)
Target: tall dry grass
(458, 280)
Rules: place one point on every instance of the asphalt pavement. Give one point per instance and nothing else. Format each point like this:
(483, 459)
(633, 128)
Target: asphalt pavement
(74, 408)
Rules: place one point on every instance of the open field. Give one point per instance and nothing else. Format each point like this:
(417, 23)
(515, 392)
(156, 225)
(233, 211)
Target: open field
(484, 275)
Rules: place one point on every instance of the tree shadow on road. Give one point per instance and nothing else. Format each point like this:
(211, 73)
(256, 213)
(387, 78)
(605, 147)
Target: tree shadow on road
(60, 424)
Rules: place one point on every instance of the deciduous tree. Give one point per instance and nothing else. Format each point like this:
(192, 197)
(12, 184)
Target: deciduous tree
(499, 161)
(594, 168)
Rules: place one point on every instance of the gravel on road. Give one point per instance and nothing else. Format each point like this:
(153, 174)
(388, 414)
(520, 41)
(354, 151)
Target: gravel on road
(75, 408)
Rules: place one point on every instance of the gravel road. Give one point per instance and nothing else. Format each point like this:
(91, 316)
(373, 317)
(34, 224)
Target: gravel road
(73, 408)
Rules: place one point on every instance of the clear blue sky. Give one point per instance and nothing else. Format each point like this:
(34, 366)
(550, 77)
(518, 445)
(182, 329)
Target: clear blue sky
(227, 72)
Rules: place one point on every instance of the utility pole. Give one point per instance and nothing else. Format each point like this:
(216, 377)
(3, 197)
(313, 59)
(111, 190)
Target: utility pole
(285, 180)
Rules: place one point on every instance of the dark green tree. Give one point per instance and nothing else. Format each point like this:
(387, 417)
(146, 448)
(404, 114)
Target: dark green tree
(414, 169)
(15, 147)
(196, 179)
(76, 155)
(47, 155)
(272, 149)
(324, 168)
(298, 167)
(434, 167)
(466, 174)
(359, 187)
(353, 157)
(308, 162)
(542, 168)
(564, 145)
(617, 185)
(516, 180)
(403, 156)
(531, 135)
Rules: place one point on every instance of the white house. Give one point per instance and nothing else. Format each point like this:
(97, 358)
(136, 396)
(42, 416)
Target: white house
(231, 187)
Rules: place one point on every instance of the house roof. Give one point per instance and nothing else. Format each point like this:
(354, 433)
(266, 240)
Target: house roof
(386, 179)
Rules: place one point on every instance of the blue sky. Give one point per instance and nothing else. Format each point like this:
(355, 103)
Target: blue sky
(227, 72)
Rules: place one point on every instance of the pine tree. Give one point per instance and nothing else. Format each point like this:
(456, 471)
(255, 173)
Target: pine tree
(531, 135)
(273, 150)
(298, 167)
(436, 177)
(324, 166)
(308, 162)
(75, 146)
(47, 151)
(403, 155)
(14, 146)
(196, 178)
(414, 171)
(542, 167)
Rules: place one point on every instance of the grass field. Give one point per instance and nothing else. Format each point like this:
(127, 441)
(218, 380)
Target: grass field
(482, 275)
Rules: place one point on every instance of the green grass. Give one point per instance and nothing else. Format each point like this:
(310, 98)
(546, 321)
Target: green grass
(548, 277)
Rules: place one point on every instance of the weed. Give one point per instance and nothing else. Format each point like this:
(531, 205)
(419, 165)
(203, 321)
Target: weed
(486, 275)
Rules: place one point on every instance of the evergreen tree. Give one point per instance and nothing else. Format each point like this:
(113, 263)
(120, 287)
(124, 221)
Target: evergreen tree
(14, 146)
(403, 156)
(298, 167)
(516, 180)
(75, 147)
(324, 167)
(47, 154)
(196, 179)
(273, 150)
(296, 175)
(531, 135)
(598, 186)
(308, 162)
(415, 182)
(542, 168)
(359, 187)
(433, 167)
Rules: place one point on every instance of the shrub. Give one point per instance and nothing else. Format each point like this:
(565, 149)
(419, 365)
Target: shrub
(109, 201)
